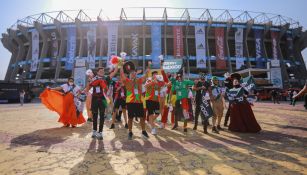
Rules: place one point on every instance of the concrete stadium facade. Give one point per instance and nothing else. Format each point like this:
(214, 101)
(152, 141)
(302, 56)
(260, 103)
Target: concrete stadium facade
(52, 26)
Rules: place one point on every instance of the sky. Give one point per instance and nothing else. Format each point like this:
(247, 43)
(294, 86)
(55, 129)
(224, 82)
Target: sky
(12, 10)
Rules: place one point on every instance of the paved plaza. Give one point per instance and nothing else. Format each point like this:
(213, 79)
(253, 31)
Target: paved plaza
(32, 142)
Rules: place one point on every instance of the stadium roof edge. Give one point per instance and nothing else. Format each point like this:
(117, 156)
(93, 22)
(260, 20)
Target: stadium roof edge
(158, 13)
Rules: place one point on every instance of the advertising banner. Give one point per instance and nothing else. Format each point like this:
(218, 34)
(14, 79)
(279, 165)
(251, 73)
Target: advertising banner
(172, 65)
(276, 78)
(239, 48)
(54, 49)
(178, 41)
(200, 44)
(112, 40)
(91, 47)
(135, 45)
(35, 50)
(259, 49)
(71, 48)
(156, 45)
(274, 37)
(80, 76)
(219, 45)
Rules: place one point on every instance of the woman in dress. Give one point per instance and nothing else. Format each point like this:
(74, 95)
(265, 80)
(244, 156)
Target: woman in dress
(242, 118)
(68, 105)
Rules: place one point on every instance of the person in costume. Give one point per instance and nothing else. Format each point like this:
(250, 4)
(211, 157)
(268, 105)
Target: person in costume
(119, 101)
(99, 83)
(182, 106)
(170, 101)
(134, 100)
(218, 103)
(152, 97)
(200, 86)
(242, 118)
(67, 100)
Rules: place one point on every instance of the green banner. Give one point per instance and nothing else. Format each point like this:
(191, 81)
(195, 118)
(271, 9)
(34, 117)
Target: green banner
(172, 65)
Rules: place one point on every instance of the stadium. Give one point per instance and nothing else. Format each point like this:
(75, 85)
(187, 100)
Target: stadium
(52, 46)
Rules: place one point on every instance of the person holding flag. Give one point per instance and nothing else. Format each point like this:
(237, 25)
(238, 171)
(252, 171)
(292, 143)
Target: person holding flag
(242, 118)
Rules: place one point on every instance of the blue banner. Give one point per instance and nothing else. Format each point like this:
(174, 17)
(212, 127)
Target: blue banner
(71, 48)
(259, 49)
(155, 45)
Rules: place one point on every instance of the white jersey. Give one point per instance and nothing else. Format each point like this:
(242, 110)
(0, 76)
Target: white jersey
(66, 88)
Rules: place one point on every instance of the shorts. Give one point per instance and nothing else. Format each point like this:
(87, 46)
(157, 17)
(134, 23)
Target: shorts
(120, 103)
(135, 110)
(153, 107)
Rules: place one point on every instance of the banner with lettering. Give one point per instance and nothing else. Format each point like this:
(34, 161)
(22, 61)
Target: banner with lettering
(274, 37)
(54, 49)
(112, 40)
(178, 41)
(156, 49)
(91, 47)
(35, 50)
(71, 48)
(219, 46)
(259, 49)
(239, 48)
(135, 45)
(200, 44)
(172, 65)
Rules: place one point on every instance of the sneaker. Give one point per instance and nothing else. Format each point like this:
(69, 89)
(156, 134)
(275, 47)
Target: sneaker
(145, 135)
(154, 131)
(99, 136)
(185, 130)
(215, 130)
(126, 126)
(94, 134)
(112, 126)
(90, 120)
(130, 136)
(220, 128)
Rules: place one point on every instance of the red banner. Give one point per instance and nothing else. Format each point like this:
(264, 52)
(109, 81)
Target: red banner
(178, 41)
(274, 36)
(219, 45)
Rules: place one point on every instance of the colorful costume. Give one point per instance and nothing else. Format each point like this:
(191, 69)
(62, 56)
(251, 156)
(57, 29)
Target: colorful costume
(67, 105)
(242, 118)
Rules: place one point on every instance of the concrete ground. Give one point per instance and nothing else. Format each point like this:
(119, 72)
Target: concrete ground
(32, 142)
